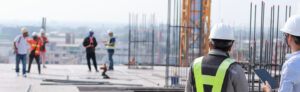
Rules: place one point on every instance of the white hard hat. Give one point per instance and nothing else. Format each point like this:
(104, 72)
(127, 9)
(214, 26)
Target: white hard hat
(91, 30)
(292, 26)
(222, 32)
(42, 31)
(34, 34)
(24, 30)
(109, 32)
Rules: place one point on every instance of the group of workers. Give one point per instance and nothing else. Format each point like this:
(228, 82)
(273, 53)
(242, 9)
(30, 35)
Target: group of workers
(37, 50)
(90, 43)
(216, 72)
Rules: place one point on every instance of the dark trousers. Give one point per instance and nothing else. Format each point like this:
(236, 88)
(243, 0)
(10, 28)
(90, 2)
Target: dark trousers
(20, 57)
(37, 59)
(111, 61)
(91, 55)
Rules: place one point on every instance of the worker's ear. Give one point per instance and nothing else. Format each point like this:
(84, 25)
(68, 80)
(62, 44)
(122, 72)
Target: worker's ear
(230, 48)
(210, 45)
(290, 39)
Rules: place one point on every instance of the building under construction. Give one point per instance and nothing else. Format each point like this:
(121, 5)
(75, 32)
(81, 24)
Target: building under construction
(160, 55)
(189, 28)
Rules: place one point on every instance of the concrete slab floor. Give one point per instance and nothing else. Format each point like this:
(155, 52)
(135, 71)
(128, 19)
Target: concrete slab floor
(10, 82)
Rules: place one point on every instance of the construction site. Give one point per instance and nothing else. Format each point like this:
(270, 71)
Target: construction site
(150, 55)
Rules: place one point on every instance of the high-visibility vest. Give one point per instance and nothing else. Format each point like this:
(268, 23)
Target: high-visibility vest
(91, 42)
(35, 45)
(37, 51)
(215, 81)
(108, 46)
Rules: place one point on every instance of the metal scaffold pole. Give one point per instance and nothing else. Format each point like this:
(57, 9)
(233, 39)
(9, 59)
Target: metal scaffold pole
(129, 40)
(168, 44)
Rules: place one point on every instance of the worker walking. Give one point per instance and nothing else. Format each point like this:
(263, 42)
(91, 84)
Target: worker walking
(290, 73)
(216, 72)
(20, 51)
(90, 44)
(110, 46)
(45, 41)
(35, 44)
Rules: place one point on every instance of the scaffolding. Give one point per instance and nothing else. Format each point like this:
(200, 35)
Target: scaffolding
(141, 41)
(189, 28)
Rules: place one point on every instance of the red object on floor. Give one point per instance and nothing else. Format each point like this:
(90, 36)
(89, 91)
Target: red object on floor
(104, 67)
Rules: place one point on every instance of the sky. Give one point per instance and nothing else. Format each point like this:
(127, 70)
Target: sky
(237, 12)
(234, 12)
(80, 10)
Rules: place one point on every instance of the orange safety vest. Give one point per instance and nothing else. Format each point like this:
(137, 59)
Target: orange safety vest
(91, 41)
(44, 39)
(35, 45)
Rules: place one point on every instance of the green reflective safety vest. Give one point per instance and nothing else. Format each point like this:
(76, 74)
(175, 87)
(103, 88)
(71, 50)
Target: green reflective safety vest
(215, 81)
(110, 47)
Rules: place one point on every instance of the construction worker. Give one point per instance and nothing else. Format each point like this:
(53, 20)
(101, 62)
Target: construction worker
(110, 46)
(216, 72)
(35, 44)
(20, 50)
(290, 74)
(44, 40)
(90, 44)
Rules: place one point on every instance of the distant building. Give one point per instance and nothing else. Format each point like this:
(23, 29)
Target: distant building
(70, 38)
(65, 54)
(52, 45)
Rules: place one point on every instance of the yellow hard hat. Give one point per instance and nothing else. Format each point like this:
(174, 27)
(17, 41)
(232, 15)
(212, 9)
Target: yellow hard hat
(24, 30)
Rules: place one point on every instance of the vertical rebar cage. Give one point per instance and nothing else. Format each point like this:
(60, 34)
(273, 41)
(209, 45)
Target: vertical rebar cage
(269, 51)
(141, 41)
(189, 31)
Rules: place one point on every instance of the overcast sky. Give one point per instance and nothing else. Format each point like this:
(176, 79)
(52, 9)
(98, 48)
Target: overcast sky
(79, 10)
(234, 12)
(237, 12)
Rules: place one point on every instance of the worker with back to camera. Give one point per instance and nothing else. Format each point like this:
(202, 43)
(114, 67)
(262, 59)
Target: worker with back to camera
(90, 43)
(35, 44)
(45, 41)
(290, 74)
(216, 72)
(20, 51)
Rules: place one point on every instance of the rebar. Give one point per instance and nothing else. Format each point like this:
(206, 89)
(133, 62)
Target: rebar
(272, 50)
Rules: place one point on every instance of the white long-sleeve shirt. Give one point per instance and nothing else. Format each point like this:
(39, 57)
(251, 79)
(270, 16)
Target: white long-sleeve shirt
(290, 76)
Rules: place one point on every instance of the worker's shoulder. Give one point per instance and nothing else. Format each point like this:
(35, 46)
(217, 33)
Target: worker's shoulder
(18, 36)
(86, 38)
(293, 62)
(196, 60)
(235, 68)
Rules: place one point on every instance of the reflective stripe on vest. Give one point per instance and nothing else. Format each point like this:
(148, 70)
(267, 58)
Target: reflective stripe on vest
(35, 45)
(215, 81)
(110, 47)
(37, 52)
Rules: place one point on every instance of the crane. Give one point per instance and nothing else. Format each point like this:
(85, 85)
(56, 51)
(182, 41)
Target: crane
(195, 29)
